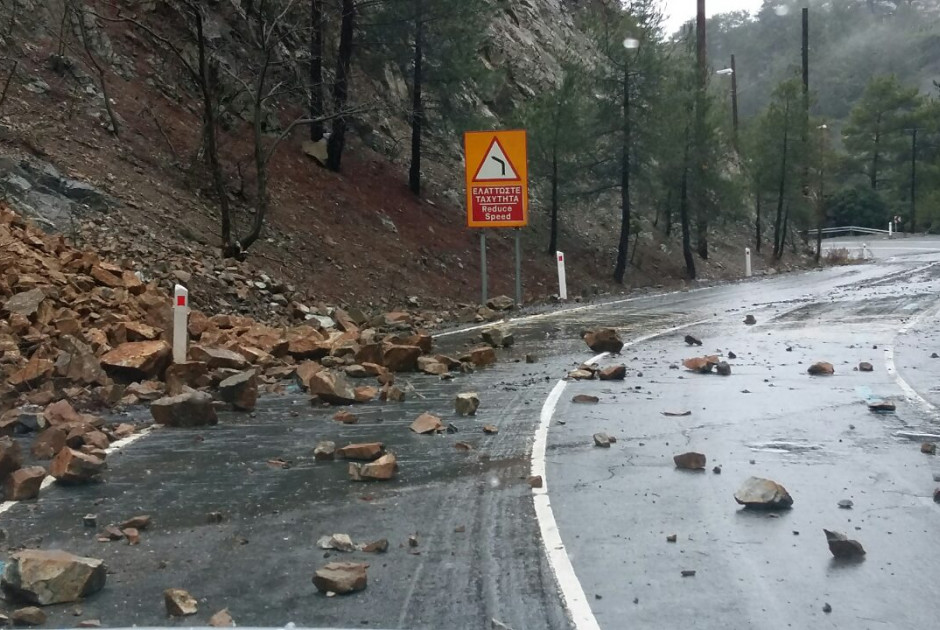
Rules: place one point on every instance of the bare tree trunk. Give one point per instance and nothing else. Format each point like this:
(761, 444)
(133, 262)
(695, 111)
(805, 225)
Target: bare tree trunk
(778, 224)
(624, 244)
(553, 236)
(261, 160)
(417, 109)
(340, 86)
(316, 69)
(684, 212)
(757, 226)
(79, 15)
(701, 215)
(206, 84)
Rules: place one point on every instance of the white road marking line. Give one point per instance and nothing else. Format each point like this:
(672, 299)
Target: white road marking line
(891, 368)
(115, 446)
(574, 599)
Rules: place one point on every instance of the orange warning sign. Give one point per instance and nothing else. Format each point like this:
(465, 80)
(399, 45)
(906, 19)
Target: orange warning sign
(497, 178)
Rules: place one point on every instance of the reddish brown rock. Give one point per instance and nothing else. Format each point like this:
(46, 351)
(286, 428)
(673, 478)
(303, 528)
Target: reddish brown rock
(481, 356)
(48, 443)
(613, 373)
(72, 467)
(240, 390)
(382, 469)
(603, 340)
(400, 358)
(61, 412)
(346, 417)
(365, 393)
(192, 409)
(391, 393)
(30, 375)
(427, 423)
(24, 484)
(179, 603)
(10, 456)
(701, 364)
(136, 360)
(215, 358)
(191, 374)
(690, 461)
(332, 387)
(341, 577)
(821, 369)
(363, 450)
(305, 372)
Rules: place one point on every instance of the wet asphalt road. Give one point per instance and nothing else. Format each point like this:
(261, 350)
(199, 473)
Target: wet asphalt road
(614, 508)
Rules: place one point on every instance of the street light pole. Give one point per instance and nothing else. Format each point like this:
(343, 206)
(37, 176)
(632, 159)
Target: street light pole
(734, 102)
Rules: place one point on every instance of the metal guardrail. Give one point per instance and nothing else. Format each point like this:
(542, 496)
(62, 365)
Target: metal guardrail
(848, 229)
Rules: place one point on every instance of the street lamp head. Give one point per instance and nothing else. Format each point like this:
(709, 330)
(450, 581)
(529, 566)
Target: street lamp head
(630, 43)
(724, 71)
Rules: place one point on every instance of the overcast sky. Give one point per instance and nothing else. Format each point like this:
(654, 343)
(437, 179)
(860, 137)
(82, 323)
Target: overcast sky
(678, 12)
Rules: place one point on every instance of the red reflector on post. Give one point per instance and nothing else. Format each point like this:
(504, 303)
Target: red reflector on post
(181, 300)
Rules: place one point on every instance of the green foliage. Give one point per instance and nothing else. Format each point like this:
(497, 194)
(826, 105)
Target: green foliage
(857, 205)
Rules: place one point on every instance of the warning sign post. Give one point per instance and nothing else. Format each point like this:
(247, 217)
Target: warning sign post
(496, 173)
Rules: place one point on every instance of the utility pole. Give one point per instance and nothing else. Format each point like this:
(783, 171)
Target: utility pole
(913, 178)
(734, 103)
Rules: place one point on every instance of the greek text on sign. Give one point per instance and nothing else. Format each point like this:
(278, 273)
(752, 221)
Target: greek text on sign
(497, 181)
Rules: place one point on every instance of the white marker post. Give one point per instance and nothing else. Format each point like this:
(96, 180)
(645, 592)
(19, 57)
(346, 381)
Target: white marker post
(562, 285)
(180, 323)
(890, 228)
(747, 262)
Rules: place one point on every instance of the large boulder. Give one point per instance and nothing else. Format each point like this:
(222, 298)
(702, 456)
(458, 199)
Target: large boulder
(48, 443)
(480, 356)
(25, 303)
(241, 390)
(763, 494)
(613, 373)
(78, 362)
(466, 404)
(501, 303)
(73, 467)
(362, 450)
(215, 358)
(24, 484)
(10, 456)
(401, 358)
(137, 360)
(190, 374)
(341, 577)
(603, 340)
(192, 409)
(332, 387)
(51, 577)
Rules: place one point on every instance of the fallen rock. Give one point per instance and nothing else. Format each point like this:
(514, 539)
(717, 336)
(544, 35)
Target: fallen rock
(603, 340)
(703, 365)
(377, 546)
(613, 373)
(382, 469)
(842, 547)
(463, 446)
(480, 356)
(216, 358)
(881, 406)
(501, 303)
(365, 393)
(221, 619)
(492, 336)
(338, 542)
(732, 355)
(341, 577)
(401, 358)
(928, 448)
(723, 369)
(25, 303)
(73, 467)
(51, 577)
(693, 341)
(676, 414)
(48, 443)
(535, 481)
(430, 365)
(821, 369)
(132, 535)
(466, 404)
(362, 450)
(761, 493)
(690, 461)
(391, 393)
(137, 360)
(749, 320)
(240, 390)
(865, 366)
(140, 522)
(581, 374)
(179, 603)
(845, 504)
(602, 440)
(672, 538)
(332, 387)
(29, 616)
(427, 423)
(490, 429)
(324, 451)
(191, 409)
(10, 456)
(24, 484)
(346, 417)
(585, 399)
